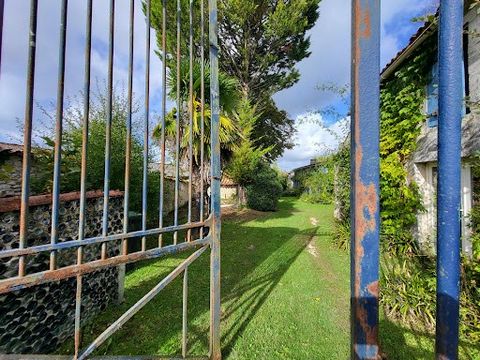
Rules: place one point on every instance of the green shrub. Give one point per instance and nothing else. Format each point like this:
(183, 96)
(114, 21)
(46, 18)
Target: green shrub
(263, 193)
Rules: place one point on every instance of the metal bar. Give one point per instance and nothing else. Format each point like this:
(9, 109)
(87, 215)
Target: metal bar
(86, 120)
(128, 145)
(179, 117)
(141, 303)
(27, 136)
(185, 313)
(365, 214)
(111, 357)
(19, 283)
(2, 8)
(83, 172)
(78, 311)
(202, 109)
(57, 164)
(449, 181)
(190, 123)
(164, 115)
(97, 240)
(146, 126)
(215, 311)
(108, 127)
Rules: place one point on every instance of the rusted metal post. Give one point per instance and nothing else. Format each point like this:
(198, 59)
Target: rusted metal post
(449, 169)
(365, 214)
(2, 8)
(215, 311)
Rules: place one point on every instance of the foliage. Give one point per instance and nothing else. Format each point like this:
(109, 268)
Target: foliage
(265, 190)
(228, 131)
(402, 98)
(260, 44)
(408, 279)
(42, 181)
(274, 130)
(319, 183)
(246, 158)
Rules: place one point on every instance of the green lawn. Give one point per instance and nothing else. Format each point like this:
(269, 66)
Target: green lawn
(285, 295)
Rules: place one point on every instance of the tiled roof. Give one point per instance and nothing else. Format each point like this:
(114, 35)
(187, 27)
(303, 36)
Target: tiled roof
(416, 40)
(11, 148)
(227, 181)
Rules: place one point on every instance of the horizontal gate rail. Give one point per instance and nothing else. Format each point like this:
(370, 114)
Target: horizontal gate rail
(202, 230)
(74, 270)
(141, 303)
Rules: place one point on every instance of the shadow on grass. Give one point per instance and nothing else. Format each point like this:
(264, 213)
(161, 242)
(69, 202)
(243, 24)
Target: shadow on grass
(399, 342)
(254, 259)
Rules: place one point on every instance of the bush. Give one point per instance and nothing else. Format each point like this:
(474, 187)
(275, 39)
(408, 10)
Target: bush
(266, 189)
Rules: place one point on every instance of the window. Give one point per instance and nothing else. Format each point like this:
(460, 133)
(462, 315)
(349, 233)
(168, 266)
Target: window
(432, 98)
(432, 90)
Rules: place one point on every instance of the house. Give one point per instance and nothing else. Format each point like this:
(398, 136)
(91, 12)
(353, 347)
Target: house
(422, 168)
(229, 188)
(297, 176)
(10, 169)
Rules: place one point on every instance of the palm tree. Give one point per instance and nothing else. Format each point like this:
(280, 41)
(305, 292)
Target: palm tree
(229, 99)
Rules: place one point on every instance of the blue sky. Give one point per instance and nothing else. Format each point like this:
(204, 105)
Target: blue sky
(329, 62)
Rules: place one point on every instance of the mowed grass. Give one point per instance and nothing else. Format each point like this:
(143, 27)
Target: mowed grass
(285, 295)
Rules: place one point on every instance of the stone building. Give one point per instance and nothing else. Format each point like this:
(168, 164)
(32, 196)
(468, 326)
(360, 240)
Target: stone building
(423, 164)
(10, 169)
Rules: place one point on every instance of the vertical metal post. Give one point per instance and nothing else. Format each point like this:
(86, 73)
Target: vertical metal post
(57, 164)
(27, 133)
(449, 170)
(365, 213)
(185, 314)
(164, 115)
(128, 143)
(215, 350)
(202, 109)
(190, 123)
(83, 173)
(146, 126)
(178, 120)
(108, 127)
(2, 8)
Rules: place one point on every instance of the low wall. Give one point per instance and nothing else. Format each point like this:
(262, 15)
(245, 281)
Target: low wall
(40, 318)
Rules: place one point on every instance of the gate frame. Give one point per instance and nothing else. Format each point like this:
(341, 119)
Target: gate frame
(212, 221)
(365, 160)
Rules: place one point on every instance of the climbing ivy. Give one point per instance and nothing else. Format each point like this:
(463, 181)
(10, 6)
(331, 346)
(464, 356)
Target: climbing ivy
(402, 102)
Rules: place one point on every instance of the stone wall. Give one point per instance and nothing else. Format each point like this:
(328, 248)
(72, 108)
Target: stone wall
(40, 318)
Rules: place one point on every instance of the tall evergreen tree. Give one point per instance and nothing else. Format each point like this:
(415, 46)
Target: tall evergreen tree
(261, 41)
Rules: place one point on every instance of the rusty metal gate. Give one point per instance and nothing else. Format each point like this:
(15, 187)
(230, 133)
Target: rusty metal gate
(365, 177)
(202, 235)
(365, 199)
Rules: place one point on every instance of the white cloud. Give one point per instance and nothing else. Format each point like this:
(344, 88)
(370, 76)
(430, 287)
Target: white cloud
(15, 50)
(313, 139)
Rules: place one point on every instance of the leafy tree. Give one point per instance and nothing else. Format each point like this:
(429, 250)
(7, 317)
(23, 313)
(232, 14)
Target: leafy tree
(260, 43)
(72, 149)
(263, 193)
(246, 157)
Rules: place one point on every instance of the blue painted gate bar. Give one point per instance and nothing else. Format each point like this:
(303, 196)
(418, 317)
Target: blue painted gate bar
(365, 160)
(449, 170)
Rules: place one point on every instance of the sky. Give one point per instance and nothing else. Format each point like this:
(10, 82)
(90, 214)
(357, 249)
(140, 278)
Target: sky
(329, 63)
